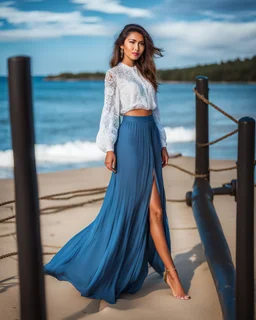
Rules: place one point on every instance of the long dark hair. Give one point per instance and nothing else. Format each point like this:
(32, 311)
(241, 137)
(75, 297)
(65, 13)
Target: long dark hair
(145, 63)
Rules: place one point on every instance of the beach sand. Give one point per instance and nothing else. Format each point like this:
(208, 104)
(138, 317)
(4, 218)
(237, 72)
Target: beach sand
(154, 300)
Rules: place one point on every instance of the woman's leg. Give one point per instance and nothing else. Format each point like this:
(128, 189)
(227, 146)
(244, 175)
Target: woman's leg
(158, 236)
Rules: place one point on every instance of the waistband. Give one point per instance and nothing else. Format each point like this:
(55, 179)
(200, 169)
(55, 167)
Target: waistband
(148, 118)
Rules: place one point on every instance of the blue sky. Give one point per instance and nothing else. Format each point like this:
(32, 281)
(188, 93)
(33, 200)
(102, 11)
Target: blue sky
(78, 35)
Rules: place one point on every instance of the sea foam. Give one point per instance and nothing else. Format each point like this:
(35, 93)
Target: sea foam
(85, 151)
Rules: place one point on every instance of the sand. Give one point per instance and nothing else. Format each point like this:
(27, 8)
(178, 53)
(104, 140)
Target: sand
(154, 300)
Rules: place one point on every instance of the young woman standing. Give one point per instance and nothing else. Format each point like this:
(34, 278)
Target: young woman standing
(111, 255)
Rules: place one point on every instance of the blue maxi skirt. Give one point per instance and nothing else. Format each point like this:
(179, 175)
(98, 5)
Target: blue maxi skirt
(110, 256)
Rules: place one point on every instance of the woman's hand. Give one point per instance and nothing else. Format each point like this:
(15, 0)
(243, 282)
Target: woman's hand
(110, 161)
(165, 157)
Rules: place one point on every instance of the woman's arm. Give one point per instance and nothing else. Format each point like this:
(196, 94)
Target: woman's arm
(109, 121)
(156, 115)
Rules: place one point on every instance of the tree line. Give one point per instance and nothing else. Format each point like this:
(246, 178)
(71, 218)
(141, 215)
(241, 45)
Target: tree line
(236, 70)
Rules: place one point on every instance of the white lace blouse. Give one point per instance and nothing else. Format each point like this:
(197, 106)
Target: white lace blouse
(125, 89)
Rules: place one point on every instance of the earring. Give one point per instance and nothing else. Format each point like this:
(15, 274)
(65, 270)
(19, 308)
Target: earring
(122, 53)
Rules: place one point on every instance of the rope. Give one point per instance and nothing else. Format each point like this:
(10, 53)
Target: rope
(201, 97)
(55, 209)
(50, 246)
(7, 235)
(7, 218)
(53, 196)
(223, 169)
(71, 197)
(226, 169)
(6, 202)
(199, 175)
(176, 200)
(8, 255)
(15, 253)
(188, 172)
(217, 140)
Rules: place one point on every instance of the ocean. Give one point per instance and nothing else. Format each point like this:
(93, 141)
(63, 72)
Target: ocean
(67, 115)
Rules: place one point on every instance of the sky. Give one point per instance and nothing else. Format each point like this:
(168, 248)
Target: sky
(78, 35)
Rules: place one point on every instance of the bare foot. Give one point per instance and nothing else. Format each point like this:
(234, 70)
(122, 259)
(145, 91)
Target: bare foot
(173, 281)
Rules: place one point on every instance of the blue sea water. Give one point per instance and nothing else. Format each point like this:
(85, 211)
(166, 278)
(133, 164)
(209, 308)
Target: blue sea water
(67, 115)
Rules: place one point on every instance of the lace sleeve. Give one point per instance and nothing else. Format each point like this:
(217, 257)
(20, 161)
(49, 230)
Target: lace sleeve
(109, 121)
(156, 116)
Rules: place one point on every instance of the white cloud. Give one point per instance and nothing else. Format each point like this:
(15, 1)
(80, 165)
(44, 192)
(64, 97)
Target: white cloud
(201, 40)
(228, 16)
(15, 16)
(205, 33)
(45, 24)
(53, 32)
(216, 15)
(114, 7)
(187, 7)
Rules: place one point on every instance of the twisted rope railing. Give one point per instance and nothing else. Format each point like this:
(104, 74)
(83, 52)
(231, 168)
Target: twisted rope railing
(201, 97)
(217, 140)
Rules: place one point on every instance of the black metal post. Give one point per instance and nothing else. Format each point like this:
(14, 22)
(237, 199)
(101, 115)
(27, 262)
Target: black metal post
(32, 290)
(245, 220)
(202, 128)
(216, 249)
(227, 188)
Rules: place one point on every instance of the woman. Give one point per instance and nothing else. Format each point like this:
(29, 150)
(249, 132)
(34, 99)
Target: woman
(111, 255)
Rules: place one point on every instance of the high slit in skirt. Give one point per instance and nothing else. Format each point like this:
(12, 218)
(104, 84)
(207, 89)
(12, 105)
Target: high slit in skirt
(110, 256)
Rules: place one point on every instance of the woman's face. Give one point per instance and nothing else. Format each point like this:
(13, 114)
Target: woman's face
(133, 46)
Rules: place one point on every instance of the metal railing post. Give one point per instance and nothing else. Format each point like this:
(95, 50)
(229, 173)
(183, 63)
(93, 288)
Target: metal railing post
(245, 220)
(202, 128)
(32, 290)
